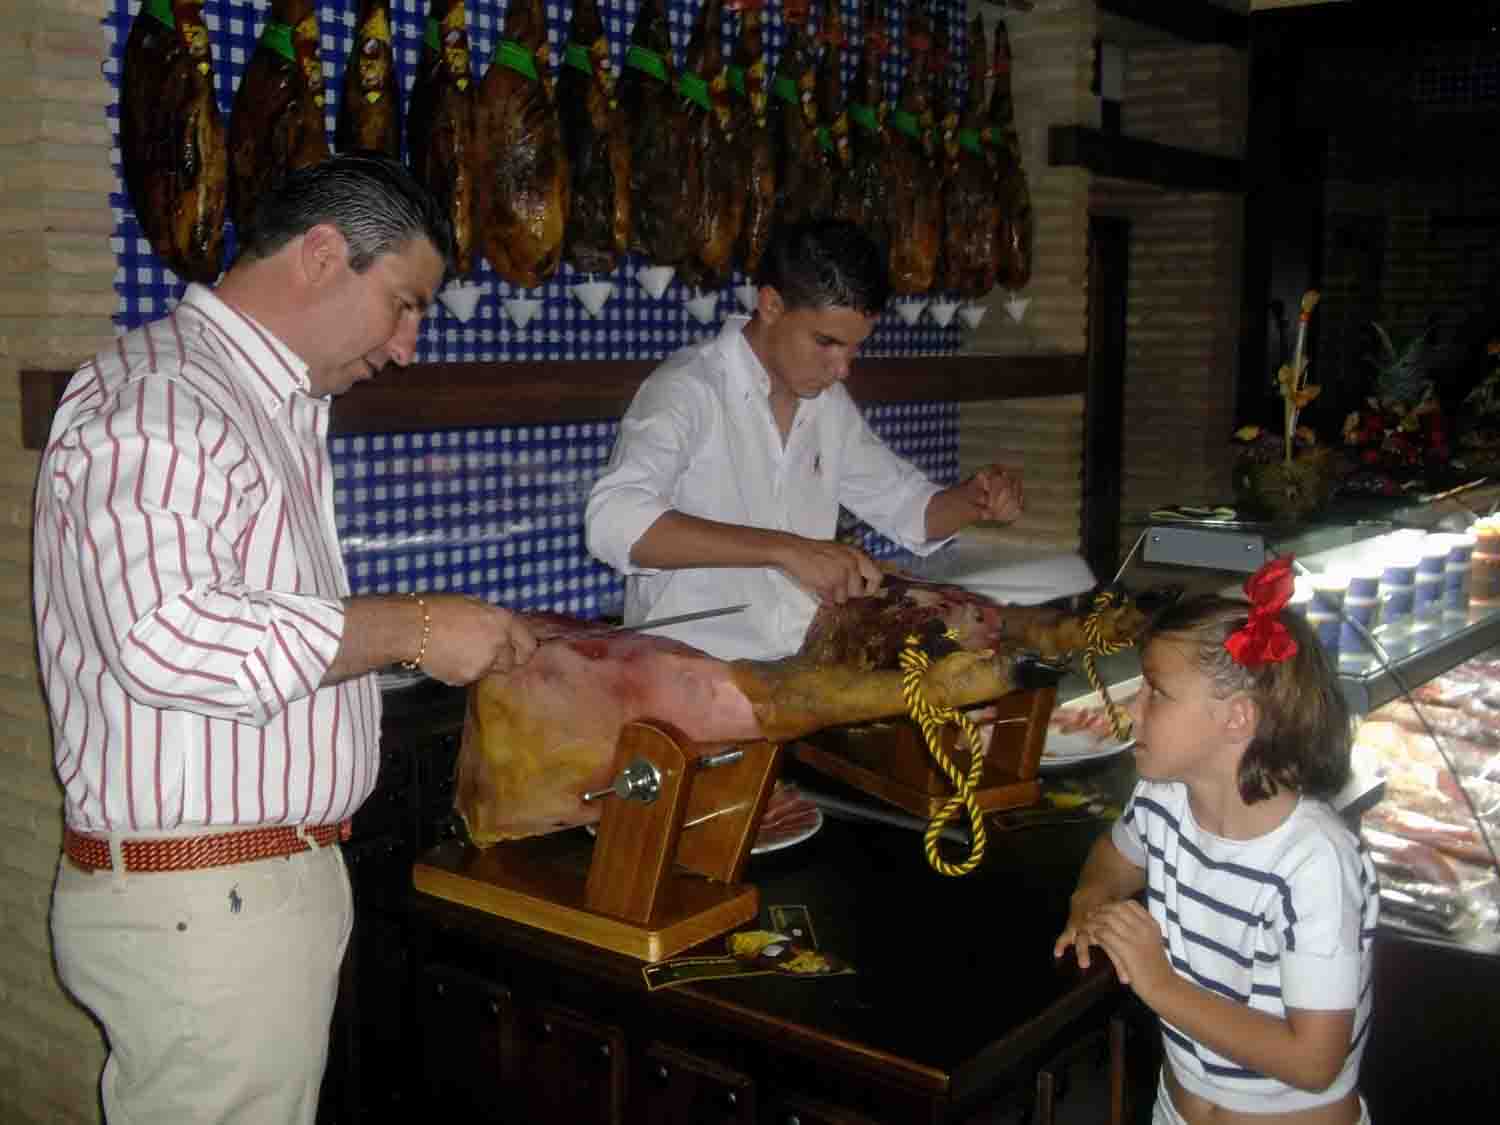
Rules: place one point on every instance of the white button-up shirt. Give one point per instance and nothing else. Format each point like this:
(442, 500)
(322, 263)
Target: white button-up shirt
(188, 587)
(700, 439)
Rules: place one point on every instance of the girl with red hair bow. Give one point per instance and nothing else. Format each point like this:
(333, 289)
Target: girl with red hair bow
(1253, 944)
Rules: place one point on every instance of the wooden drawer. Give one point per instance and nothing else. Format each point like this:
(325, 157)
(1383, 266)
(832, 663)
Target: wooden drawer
(676, 1087)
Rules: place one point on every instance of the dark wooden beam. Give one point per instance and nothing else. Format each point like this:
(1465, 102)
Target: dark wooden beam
(430, 396)
(1196, 22)
(1126, 158)
(1104, 407)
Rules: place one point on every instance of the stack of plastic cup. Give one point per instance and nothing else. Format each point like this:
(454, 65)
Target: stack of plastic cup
(1432, 566)
(1398, 591)
(1361, 610)
(1456, 575)
(1325, 613)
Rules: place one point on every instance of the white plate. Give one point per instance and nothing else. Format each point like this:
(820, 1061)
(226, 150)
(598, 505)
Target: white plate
(1069, 748)
(806, 834)
(760, 849)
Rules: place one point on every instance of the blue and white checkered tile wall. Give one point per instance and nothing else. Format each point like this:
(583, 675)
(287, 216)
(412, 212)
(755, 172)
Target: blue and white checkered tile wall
(498, 511)
(632, 324)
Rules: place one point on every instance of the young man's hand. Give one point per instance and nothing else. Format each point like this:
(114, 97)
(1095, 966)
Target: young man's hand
(998, 493)
(831, 572)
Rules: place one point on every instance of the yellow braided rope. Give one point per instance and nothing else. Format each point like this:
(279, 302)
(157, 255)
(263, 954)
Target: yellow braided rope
(932, 720)
(1119, 719)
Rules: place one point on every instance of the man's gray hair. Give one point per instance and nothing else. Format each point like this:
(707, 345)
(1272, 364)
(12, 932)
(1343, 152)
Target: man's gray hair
(373, 201)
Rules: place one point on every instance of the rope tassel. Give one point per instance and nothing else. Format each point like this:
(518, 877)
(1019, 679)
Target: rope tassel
(931, 721)
(1119, 718)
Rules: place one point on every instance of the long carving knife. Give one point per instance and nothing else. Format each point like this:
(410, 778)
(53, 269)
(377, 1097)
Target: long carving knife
(656, 623)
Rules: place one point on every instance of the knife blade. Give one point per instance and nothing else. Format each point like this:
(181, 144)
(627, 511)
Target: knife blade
(658, 623)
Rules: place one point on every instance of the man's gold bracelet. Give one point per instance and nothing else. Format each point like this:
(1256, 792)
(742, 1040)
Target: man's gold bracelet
(415, 665)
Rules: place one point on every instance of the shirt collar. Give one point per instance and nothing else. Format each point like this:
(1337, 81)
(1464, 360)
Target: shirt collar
(744, 365)
(271, 368)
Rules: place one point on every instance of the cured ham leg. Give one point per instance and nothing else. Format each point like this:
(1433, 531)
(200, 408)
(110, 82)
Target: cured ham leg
(173, 143)
(598, 140)
(748, 76)
(276, 125)
(440, 128)
(721, 156)
(524, 186)
(535, 740)
(862, 192)
(370, 106)
(664, 176)
(913, 194)
(804, 176)
(971, 205)
(1017, 223)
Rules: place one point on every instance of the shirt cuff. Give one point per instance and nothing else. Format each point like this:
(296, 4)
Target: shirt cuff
(1319, 983)
(612, 538)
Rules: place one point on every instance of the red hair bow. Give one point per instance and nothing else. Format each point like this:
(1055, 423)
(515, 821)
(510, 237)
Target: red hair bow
(1264, 639)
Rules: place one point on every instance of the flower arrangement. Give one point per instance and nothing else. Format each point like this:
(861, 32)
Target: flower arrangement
(1287, 475)
(1401, 426)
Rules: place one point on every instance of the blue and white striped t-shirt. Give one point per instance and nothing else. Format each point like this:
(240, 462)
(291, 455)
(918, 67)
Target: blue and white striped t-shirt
(1285, 920)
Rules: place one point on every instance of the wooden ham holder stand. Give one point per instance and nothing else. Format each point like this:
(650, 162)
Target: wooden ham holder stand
(676, 832)
(888, 759)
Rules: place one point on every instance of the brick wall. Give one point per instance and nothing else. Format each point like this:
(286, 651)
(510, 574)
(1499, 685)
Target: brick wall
(1182, 315)
(56, 273)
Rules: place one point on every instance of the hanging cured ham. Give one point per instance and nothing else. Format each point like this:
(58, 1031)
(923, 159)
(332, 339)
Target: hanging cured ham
(915, 203)
(276, 125)
(598, 144)
(719, 153)
(370, 103)
(440, 123)
(944, 135)
(524, 188)
(1017, 225)
(748, 76)
(664, 175)
(862, 192)
(532, 748)
(804, 178)
(971, 206)
(833, 116)
(172, 140)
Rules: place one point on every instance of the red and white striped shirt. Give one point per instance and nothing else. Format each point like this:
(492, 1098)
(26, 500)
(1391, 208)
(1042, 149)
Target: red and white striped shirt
(188, 587)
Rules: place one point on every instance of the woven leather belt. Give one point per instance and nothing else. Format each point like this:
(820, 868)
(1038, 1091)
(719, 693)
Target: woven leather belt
(186, 853)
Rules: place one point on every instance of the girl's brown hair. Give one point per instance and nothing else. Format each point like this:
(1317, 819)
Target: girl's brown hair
(1302, 741)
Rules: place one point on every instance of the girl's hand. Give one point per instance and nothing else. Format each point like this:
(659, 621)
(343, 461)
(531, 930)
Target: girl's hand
(1076, 933)
(1132, 939)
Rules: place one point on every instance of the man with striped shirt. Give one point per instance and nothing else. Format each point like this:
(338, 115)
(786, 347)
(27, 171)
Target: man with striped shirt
(215, 717)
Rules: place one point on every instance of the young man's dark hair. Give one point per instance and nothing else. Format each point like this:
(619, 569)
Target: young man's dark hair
(826, 263)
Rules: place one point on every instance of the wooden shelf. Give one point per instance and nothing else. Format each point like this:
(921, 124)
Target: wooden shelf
(429, 396)
(1126, 158)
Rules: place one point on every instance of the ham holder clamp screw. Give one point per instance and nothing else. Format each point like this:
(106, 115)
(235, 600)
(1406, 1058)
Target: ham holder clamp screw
(641, 781)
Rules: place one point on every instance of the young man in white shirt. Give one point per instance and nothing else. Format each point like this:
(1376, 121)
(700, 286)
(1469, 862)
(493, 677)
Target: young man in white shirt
(733, 460)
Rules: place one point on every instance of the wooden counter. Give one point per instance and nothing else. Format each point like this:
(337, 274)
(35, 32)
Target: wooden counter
(954, 1002)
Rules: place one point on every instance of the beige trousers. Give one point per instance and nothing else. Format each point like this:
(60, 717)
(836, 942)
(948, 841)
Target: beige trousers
(215, 987)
